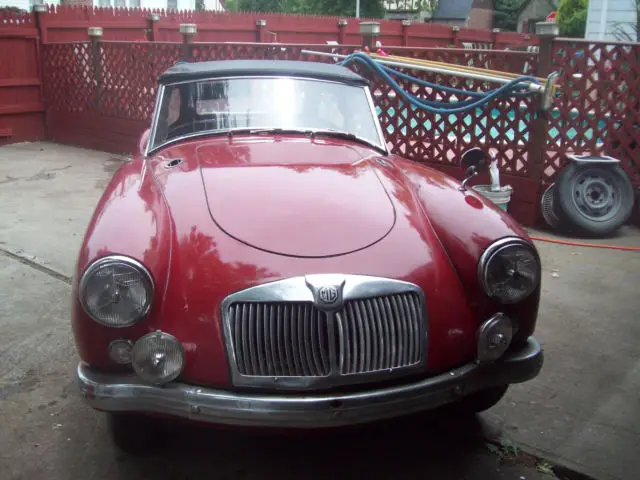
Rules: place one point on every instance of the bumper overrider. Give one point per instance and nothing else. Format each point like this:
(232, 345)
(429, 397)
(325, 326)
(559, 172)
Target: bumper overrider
(128, 393)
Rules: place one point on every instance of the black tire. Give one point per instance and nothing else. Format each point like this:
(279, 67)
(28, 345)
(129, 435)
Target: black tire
(481, 400)
(133, 434)
(596, 199)
(549, 208)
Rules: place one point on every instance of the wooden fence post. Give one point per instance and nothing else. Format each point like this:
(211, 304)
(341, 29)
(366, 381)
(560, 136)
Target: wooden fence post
(95, 34)
(494, 39)
(154, 31)
(342, 34)
(40, 10)
(455, 30)
(260, 30)
(369, 32)
(538, 132)
(188, 31)
(406, 24)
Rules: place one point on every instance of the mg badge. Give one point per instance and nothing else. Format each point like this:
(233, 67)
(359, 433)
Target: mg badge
(328, 294)
(327, 290)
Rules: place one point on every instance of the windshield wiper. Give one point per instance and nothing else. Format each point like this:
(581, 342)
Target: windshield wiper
(308, 131)
(348, 136)
(258, 131)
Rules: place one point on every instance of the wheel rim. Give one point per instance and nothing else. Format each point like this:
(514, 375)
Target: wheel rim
(595, 195)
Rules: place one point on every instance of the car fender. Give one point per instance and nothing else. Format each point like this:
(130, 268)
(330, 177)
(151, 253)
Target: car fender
(132, 196)
(466, 224)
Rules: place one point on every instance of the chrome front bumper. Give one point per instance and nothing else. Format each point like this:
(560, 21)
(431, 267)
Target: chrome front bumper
(127, 393)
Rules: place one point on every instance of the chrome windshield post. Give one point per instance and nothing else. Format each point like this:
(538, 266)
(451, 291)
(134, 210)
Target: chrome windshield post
(154, 120)
(383, 142)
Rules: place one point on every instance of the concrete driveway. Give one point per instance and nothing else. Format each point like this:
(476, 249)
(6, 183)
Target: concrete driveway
(583, 410)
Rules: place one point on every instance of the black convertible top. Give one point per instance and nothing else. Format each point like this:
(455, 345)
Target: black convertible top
(231, 68)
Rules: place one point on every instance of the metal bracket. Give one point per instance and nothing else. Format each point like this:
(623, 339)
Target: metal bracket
(470, 175)
(549, 91)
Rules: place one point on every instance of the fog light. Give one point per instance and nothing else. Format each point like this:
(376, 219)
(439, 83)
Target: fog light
(494, 338)
(120, 351)
(158, 357)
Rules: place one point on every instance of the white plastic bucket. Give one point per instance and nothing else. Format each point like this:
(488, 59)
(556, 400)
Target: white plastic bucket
(500, 198)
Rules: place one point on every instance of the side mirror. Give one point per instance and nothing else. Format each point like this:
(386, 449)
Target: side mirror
(474, 161)
(475, 157)
(144, 140)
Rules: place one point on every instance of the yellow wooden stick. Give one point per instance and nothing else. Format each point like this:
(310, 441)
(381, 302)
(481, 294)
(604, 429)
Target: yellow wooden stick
(450, 66)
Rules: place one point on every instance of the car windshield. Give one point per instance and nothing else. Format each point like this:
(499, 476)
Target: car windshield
(264, 103)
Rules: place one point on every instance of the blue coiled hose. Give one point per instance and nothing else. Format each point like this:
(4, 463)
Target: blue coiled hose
(518, 87)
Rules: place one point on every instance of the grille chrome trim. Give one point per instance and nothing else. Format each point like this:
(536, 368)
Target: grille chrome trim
(272, 354)
(281, 335)
(400, 330)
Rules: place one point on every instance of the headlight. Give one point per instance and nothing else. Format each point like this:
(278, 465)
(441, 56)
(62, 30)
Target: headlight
(509, 270)
(158, 357)
(116, 291)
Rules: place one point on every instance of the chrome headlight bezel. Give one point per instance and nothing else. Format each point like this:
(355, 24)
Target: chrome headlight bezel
(491, 347)
(114, 260)
(492, 252)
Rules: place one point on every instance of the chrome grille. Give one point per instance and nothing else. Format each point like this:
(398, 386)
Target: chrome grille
(280, 339)
(324, 330)
(380, 333)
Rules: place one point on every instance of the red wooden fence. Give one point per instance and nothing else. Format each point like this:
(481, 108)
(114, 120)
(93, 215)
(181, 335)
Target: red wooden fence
(21, 105)
(69, 24)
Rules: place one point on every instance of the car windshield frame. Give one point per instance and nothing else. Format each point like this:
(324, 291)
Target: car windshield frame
(151, 147)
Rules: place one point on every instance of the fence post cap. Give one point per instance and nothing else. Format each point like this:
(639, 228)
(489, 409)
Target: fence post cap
(370, 28)
(188, 28)
(40, 8)
(547, 28)
(406, 22)
(154, 17)
(261, 23)
(342, 22)
(95, 32)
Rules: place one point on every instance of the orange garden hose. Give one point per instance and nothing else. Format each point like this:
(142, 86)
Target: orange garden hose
(592, 245)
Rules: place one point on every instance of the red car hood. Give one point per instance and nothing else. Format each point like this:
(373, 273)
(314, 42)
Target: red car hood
(299, 197)
(283, 202)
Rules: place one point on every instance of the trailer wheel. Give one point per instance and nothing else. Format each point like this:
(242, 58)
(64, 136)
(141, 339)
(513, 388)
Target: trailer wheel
(549, 207)
(596, 199)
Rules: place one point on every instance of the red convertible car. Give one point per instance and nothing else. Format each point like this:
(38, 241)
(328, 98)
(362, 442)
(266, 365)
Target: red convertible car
(265, 261)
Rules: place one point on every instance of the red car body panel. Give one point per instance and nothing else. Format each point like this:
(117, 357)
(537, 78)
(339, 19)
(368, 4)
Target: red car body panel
(286, 206)
(132, 199)
(466, 224)
(325, 210)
